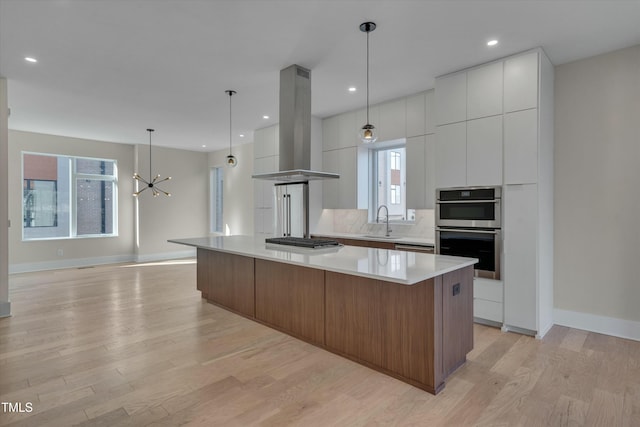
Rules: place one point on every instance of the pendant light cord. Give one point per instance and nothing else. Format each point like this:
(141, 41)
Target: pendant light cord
(150, 168)
(368, 76)
(230, 133)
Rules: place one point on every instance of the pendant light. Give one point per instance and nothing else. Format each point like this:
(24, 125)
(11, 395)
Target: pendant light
(368, 133)
(232, 162)
(153, 182)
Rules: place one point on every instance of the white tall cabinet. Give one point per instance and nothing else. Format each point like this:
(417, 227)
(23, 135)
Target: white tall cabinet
(266, 159)
(528, 192)
(495, 127)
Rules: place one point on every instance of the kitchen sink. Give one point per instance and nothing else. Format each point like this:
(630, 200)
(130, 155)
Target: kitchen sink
(377, 236)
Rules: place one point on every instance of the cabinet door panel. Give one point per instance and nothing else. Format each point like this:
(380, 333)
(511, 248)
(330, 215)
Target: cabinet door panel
(416, 115)
(520, 260)
(330, 132)
(393, 120)
(330, 186)
(451, 98)
(291, 298)
(451, 152)
(347, 195)
(430, 112)
(484, 94)
(416, 173)
(347, 130)
(521, 82)
(484, 151)
(430, 171)
(521, 147)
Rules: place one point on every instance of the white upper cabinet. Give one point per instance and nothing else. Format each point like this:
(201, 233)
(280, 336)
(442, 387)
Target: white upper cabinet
(348, 130)
(521, 82)
(265, 142)
(484, 91)
(451, 98)
(349, 191)
(421, 172)
(416, 172)
(430, 111)
(484, 151)
(330, 187)
(451, 152)
(521, 147)
(330, 132)
(393, 120)
(416, 115)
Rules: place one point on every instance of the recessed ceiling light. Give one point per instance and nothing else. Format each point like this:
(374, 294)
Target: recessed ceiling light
(204, 146)
(352, 89)
(492, 42)
(242, 135)
(30, 59)
(265, 117)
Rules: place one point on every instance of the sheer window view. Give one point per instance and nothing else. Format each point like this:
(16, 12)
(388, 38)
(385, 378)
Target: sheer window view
(216, 186)
(390, 168)
(67, 197)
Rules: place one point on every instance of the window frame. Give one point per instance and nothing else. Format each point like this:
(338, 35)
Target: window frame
(374, 203)
(74, 176)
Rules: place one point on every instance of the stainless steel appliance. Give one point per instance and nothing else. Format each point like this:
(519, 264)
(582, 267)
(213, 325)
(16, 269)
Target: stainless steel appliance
(468, 223)
(295, 129)
(469, 207)
(291, 209)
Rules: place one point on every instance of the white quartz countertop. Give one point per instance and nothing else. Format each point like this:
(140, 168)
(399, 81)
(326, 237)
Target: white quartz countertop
(401, 267)
(405, 240)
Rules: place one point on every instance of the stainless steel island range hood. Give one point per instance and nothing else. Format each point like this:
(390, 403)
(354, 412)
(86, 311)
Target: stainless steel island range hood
(295, 129)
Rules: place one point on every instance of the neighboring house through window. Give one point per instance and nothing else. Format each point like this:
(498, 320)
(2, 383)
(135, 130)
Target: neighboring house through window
(67, 197)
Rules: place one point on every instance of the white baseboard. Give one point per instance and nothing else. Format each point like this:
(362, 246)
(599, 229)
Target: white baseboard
(5, 308)
(85, 262)
(68, 263)
(163, 256)
(601, 324)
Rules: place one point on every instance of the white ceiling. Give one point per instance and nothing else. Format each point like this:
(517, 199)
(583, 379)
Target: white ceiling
(109, 69)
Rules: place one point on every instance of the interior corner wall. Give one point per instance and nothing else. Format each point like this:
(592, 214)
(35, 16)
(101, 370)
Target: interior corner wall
(44, 254)
(238, 208)
(183, 215)
(5, 305)
(597, 176)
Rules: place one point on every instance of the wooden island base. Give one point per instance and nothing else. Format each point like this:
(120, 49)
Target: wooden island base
(417, 333)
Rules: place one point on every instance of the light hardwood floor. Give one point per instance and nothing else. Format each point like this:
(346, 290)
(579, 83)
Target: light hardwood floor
(134, 345)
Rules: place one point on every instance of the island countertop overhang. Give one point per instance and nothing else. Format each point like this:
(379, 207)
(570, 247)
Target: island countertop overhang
(407, 268)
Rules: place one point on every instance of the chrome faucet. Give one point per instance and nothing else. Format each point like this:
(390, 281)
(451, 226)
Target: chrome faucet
(387, 218)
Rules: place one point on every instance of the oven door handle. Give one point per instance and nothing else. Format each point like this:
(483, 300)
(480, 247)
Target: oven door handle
(466, 230)
(468, 201)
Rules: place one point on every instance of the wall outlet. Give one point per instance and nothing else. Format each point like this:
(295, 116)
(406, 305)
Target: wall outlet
(60, 252)
(456, 289)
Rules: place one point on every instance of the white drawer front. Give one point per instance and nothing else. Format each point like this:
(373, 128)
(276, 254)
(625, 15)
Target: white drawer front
(487, 289)
(489, 310)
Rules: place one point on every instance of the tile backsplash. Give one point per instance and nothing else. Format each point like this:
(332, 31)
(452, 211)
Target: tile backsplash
(356, 221)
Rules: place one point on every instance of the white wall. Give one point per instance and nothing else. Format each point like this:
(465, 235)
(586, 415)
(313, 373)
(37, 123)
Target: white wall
(238, 206)
(184, 214)
(43, 254)
(597, 181)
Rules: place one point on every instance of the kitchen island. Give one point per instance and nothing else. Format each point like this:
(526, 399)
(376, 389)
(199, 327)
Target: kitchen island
(406, 314)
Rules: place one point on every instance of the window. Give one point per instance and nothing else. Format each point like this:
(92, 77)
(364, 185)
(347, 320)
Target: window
(388, 164)
(216, 185)
(67, 197)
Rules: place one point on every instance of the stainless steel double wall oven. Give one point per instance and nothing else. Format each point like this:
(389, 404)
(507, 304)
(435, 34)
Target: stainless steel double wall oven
(469, 224)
